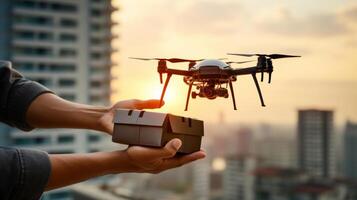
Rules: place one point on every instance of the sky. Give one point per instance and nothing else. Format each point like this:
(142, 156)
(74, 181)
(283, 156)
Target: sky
(323, 32)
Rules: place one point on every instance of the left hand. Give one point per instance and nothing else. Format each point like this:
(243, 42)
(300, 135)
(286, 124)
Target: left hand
(106, 121)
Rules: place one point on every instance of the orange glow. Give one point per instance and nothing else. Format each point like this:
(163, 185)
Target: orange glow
(155, 91)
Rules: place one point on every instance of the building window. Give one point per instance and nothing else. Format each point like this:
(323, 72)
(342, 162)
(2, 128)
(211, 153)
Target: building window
(61, 7)
(25, 4)
(45, 82)
(33, 20)
(45, 36)
(69, 97)
(32, 141)
(67, 37)
(60, 195)
(66, 82)
(67, 53)
(96, 12)
(49, 6)
(97, 1)
(33, 51)
(96, 55)
(24, 67)
(30, 35)
(62, 68)
(95, 84)
(27, 35)
(97, 27)
(68, 23)
(95, 98)
(65, 139)
(96, 41)
(93, 138)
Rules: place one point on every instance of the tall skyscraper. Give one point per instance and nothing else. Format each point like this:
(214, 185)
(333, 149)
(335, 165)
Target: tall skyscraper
(66, 46)
(315, 142)
(350, 150)
(238, 178)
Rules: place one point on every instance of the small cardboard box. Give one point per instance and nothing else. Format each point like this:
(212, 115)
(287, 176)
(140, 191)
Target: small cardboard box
(137, 127)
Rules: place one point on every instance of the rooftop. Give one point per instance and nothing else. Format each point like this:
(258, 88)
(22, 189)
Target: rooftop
(313, 188)
(276, 172)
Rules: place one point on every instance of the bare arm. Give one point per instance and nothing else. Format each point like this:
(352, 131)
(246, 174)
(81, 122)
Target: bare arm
(51, 111)
(74, 168)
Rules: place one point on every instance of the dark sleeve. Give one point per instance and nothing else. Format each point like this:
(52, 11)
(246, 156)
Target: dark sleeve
(24, 173)
(16, 95)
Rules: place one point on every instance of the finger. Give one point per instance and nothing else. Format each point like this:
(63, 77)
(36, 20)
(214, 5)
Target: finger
(179, 161)
(149, 104)
(145, 153)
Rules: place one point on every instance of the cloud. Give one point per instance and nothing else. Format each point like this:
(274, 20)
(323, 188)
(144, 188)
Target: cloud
(209, 17)
(325, 24)
(350, 13)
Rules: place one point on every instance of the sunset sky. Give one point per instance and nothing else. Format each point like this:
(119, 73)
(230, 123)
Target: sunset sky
(324, 33)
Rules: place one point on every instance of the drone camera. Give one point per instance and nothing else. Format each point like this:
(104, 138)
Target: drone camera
(222, 92)
(210, 92)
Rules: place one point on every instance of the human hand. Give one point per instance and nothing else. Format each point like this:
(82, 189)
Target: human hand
(156, 160)
(106, 121)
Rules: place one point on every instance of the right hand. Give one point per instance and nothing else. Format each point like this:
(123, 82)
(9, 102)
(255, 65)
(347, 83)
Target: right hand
(156, 160)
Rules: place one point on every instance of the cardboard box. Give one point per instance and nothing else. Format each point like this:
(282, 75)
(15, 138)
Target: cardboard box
(137, 127)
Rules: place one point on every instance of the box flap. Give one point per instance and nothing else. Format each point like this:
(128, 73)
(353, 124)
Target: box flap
(139, 117)
(151, 118)
(125, 116)
(187, 126)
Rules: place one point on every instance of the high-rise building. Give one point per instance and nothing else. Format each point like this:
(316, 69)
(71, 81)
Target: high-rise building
(238, 178)
(315, 142)
(276, 151)
(66, 46)
(350, 149)
(201, 180)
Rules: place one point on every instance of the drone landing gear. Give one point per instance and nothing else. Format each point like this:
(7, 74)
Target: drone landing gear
(258, 88)
(165, 87)
(232, 93)
(188, 95)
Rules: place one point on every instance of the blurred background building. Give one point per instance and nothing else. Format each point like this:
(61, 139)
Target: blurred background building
(238, 179)
(66, 46)
(276, 150)
(316, 142)
(350, 150)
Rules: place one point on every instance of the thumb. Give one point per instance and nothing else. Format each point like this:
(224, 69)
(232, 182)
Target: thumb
(171, 148)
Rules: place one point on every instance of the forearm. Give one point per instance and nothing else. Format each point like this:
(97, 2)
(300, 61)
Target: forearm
(73, 168)
(51, 111)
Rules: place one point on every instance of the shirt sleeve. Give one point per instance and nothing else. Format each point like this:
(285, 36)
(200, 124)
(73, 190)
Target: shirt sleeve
(16, 95)
(24, 173)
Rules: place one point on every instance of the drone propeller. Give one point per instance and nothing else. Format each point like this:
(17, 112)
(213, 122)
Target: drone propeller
(162, 63)
(264, 61)
(172, 60)
(272, 56)
(239, 62)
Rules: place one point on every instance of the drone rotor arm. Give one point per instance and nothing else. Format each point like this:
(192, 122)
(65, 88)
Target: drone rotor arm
(179, 72)
(246, 71)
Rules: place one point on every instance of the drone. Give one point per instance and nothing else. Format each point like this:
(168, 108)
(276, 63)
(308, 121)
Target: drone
(213, 77)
